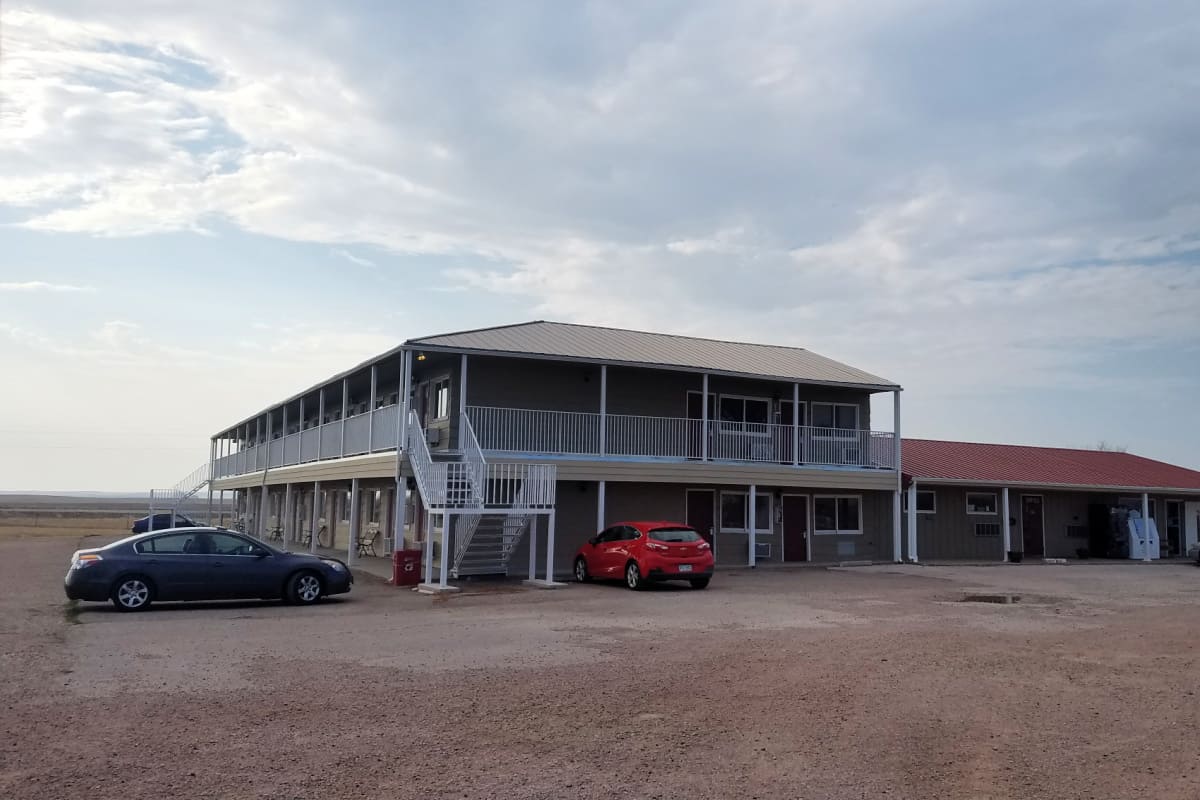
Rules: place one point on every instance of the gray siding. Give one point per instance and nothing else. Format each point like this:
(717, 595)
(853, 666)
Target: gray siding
(949, 534)
(874, 543)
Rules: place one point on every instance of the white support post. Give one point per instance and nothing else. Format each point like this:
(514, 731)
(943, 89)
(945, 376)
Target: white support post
(371, 410)
(1145, 526)
(600, 491)
(316, 515)
(1006, 530)
(897, 556)
(533, 526)
(405, 404)
(795, 424)
(320, 419)
(212, 457)
(345, 410)
(283, 433)
(289, 506)
(352, 545)
(462, 399)
(912, 522)
(550, 550)
(603, 444)
(704, 418)
(752, 560)
(429, 547)
(264, 510)
(401, 432)
(443, 578)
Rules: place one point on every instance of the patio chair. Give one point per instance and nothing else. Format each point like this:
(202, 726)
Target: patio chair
(367, 540)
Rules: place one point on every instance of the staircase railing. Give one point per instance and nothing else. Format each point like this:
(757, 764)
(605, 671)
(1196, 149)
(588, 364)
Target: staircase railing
(419, 457)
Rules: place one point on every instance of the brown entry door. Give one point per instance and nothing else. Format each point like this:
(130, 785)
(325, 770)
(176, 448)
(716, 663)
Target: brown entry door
(1032, 525)
(795, 527)
(700, 512)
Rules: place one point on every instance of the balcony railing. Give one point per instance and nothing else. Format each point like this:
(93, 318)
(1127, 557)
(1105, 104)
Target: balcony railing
(623, 436)
(372, 432)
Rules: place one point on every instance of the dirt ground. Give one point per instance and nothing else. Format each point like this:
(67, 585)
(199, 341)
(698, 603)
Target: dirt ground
(809, 683)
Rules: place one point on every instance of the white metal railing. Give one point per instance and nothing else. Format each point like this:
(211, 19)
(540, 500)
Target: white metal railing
(419, 458)
(558, 433)
(371, 432)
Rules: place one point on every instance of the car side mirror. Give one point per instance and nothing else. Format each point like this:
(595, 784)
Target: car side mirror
(595, 540)
(261, 553)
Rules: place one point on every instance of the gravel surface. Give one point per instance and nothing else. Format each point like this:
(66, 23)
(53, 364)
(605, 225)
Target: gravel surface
(810, 683)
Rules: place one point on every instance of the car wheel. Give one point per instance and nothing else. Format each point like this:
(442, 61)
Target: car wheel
(132, 593)
(633, 576)
(304, 588)
(581, 573)
(699, 583)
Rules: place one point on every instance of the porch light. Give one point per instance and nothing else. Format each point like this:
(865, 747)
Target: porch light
(420, 356)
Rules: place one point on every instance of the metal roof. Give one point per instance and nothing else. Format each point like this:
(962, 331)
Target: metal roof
(618, 346)
(1020, 465)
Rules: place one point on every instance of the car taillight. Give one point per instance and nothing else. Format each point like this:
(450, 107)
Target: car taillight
(86, 560)
(703, 545)
(662, 548)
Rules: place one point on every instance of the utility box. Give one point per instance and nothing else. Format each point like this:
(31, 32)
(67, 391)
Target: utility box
(1142, 536)
(406, 567)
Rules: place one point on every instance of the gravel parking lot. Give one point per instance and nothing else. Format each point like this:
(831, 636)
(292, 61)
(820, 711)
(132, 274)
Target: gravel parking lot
(857, 683)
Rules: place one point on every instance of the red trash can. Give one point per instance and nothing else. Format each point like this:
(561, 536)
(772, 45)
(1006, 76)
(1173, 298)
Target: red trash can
(406, 567)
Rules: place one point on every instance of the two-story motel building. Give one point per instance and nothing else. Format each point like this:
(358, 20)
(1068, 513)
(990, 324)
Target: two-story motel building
(501, 450)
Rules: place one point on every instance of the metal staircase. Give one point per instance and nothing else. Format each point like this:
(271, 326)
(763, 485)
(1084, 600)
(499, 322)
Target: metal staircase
(492, 504)
(172, 500)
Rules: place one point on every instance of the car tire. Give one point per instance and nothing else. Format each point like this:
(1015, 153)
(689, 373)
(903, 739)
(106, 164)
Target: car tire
(304, 588)
(699, 583)
(581, 571)
(633, 576)
(132, 593)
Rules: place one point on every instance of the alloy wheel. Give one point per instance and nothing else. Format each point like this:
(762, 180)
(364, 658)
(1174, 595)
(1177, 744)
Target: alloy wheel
(133, 593)
(308, 588)
(633, 576)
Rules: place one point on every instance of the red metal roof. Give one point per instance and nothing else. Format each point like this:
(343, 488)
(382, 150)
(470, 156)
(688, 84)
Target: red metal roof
(1021, 465)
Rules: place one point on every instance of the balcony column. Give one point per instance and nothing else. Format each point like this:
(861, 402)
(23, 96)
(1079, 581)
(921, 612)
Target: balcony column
(401, 431)
(550, 550)
(429, 547)
(264, 509)
(897, 556)
(603, 448)
(704, 418)
(600, 490)
(320, 419)
(795, 424)
(444, 572)
(912, 521)
(316, 515)
(355, 514)
(345, 410)
(257, 440)
(1006, 530)
(752, 525)
(1145, 526)
(462, 399)
(287, 525)
(371, 411)
(300, 438)
(212, 457)
(533, 527)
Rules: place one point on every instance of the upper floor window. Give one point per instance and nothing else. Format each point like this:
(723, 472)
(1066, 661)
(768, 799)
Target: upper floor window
(441, 399)
(744, 413)
(787, 415)
(839, 417)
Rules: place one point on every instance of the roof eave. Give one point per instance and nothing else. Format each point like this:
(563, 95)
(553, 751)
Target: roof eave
(1081, 487)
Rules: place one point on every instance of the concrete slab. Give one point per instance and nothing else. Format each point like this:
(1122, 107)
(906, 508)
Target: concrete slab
(538, 583)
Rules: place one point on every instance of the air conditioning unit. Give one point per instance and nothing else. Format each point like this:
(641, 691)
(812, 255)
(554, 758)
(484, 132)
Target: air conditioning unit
(762, 550)
(433, 436)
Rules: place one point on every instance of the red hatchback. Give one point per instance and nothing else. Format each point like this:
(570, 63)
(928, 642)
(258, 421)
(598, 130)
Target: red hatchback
(640, 552)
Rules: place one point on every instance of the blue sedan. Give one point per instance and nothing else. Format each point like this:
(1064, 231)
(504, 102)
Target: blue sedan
(200, 564)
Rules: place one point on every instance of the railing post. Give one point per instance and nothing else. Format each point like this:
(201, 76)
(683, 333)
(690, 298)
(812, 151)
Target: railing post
(704, 419)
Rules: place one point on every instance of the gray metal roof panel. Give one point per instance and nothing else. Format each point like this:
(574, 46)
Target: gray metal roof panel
(565, 340)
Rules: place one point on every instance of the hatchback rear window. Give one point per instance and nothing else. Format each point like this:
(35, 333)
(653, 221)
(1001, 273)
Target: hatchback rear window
(674, 535)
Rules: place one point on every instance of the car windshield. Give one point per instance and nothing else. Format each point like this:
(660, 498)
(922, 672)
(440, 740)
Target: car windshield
(674, 535)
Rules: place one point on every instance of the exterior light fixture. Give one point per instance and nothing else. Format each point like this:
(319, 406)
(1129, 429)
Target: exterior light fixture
(420, 356)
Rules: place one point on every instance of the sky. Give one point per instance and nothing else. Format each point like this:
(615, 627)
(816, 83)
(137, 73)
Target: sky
(205, 207)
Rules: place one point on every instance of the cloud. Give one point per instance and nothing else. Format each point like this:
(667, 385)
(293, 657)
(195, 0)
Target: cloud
(41, 286)
(353, 259)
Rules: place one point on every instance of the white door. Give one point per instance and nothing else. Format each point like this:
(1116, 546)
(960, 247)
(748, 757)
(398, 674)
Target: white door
(1191, 526)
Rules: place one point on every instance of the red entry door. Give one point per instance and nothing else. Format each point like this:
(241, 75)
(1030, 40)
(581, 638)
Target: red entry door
(795, 527)
(700, 512)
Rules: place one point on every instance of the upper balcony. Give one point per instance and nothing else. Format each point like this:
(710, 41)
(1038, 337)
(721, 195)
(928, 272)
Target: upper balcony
(529, 433)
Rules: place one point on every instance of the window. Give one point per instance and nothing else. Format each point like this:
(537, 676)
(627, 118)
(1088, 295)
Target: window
(838, 417)
(785, 413)
(174, 543)
(926, 501)
(441, 399)
(734, 517)
(198, 543)
(987, 528)
(834, 514)
(744, 413)
(981, 502)
(674, 534)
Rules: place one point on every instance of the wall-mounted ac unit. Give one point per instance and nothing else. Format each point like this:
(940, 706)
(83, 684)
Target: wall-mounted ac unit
(762, 550)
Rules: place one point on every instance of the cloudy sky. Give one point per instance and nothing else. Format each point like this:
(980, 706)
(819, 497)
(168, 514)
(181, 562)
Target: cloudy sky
(207, 206)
